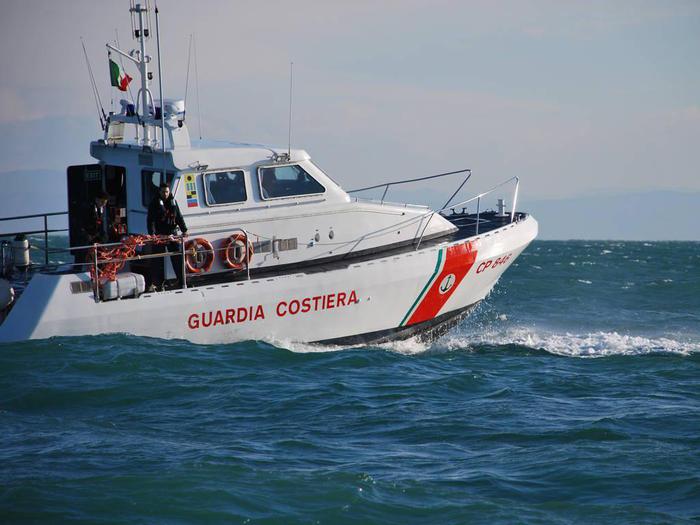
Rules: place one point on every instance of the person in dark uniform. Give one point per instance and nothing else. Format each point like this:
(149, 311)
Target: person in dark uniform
(94, 226)
(164, 218)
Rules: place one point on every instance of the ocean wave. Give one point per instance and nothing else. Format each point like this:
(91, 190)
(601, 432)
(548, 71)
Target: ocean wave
(594, 344)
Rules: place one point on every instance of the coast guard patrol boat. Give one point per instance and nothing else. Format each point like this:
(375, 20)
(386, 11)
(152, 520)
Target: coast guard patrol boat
(276, 249)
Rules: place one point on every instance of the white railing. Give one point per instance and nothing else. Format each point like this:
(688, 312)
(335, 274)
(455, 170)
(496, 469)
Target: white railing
(387, 185)
(182, 239)
(477, 198)
(45, 231)
(447, 204)
(95, 262)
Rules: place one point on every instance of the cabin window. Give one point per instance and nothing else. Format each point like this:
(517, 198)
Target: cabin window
(225, 187)
(150, 184)
(287, 181)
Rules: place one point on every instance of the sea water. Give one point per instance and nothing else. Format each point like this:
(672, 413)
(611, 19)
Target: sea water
(572, 394)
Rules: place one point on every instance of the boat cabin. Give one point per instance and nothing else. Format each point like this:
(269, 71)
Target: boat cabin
(288, 208)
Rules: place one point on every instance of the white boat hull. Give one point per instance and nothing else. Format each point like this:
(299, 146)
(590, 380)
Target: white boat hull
(386, 297)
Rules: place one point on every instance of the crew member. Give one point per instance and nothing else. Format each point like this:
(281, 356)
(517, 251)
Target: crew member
(164, 218)
(93, 226)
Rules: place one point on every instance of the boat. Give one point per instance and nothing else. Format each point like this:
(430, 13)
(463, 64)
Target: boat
(275, 249)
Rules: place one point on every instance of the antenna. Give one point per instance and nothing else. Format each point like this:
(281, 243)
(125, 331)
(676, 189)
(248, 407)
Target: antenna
(196, 83)
(160, 86)
(136, 23)
(95, 92)
(289, 137)
(187, 78)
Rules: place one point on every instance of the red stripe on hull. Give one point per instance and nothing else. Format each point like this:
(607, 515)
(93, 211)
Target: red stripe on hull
(458, 261)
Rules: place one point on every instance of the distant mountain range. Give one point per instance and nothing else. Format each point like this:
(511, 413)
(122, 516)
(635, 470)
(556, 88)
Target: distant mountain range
(659, 215)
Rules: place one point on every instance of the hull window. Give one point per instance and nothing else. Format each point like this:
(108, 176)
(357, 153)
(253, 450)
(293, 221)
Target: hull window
(224, 187)
(277, 182)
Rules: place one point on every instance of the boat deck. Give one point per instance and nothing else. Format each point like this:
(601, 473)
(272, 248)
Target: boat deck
(465, 222)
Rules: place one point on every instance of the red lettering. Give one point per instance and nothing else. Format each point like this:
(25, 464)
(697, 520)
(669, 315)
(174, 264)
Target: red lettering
(219, 319)
(230, 316)
(281, 309)
(294, 307)
(341, 298)
(242, 314)
(206, 323)
(331, 301)
(259, 313)
(353, 298)
(483, 266)
(306, 305)
(193, 321)
(316, 300)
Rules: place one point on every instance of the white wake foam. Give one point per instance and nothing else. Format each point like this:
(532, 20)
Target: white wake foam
(303, 348)
(594, 344)
(589, 345)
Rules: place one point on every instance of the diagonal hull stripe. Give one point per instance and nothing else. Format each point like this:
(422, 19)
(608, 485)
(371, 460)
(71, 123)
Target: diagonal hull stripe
(425, 288)
(459, 259)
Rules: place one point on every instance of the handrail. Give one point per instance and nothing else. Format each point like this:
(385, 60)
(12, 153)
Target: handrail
(387, 185)
(45, 231)
(32, 232)
(476, 198)
(409, 180)
(178, 238)
(19, 217)
(483, 194)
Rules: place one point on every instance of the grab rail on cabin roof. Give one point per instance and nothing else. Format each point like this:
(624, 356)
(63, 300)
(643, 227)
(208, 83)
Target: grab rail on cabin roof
(387, 185)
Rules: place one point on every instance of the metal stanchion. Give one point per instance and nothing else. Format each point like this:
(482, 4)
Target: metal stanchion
(97, 275)
(184, 263)
(246, 255)
(478, 211)
(46, 240)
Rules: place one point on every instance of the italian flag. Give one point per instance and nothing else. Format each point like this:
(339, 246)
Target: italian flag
(119, 78)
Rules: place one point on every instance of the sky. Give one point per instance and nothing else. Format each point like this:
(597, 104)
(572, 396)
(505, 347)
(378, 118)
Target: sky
(577, 98)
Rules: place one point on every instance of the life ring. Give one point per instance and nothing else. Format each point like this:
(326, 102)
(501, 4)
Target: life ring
(199, 255)
(234, 254)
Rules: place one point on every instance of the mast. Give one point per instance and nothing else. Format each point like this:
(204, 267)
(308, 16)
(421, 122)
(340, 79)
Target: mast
(141, 34)
(140, 25)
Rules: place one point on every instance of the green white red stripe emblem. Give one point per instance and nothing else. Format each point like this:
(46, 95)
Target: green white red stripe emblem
(453, 264)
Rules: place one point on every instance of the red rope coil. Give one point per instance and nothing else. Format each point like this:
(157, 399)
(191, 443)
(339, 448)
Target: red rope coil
(115, 256)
